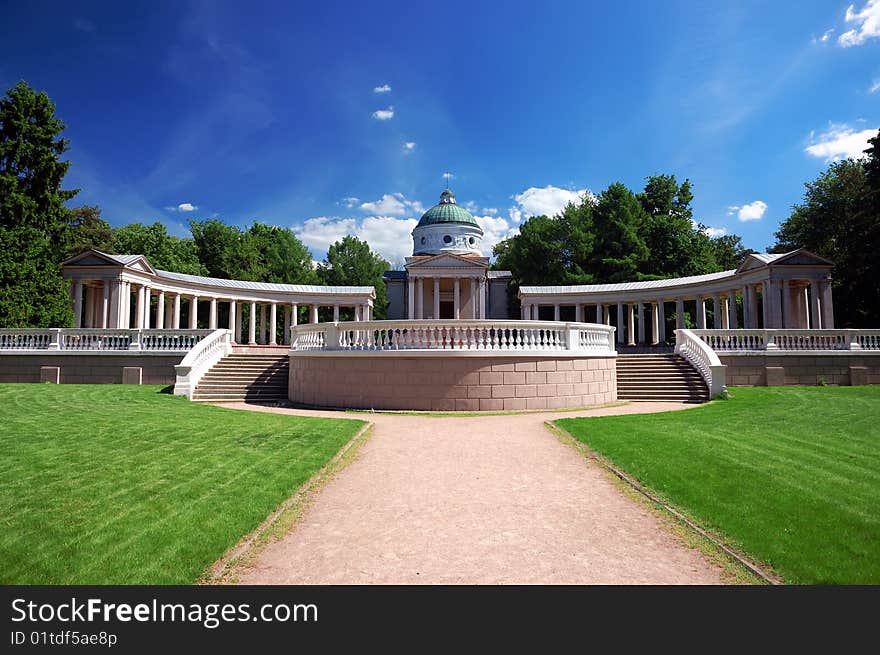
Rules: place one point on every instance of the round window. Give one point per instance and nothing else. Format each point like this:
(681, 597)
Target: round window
(447, 239)
(473, 240)
(424, 240)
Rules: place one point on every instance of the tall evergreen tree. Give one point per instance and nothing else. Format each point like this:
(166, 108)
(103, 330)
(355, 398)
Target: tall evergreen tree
(619, 252)
(350, 262)
(34, 223)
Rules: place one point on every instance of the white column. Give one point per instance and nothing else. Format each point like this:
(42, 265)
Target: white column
(482, 298)
(176, 322)
(679, 313)
(169, 313)
(212, 314)
(285, 338)
(294, 315)
(701, 312)
(193, 312)
(313, 313)
(139, 309)
(621, 329)
(787, 321)
(105, 305)
(273, 322)
(744, 292)
(148, 297)
(765, 303)
(661, 321)
(357, 313)
(731, 309)
(630, 325)
(233, 323)
(718, 317)
(262, 323)
(599, 317)
(436, 298)
(641, 323)
(655, 328)
(473, 283)
(827, 307)
(77, 303)
(239, 317)
(252, 324)
(577, 313)
(456, 300)
(410, 298)
(607, 312)
(160, 310)
(556, 311)
(420, 298)
(725, 313)
(815, 305)
(336, 313)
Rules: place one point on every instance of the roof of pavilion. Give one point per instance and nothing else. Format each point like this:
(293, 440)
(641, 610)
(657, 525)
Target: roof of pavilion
(128, 261)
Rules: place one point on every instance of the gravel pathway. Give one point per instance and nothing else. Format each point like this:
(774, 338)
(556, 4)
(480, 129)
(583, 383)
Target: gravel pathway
(476, 500)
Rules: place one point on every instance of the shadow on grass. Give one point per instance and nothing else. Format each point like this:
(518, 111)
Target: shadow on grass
(169, 389)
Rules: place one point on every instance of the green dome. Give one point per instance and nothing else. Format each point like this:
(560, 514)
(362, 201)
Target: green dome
(447, 211)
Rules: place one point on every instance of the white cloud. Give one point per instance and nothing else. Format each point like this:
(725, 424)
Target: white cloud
(867, 24)
(350, 202)
(384, 114)
(381, 89)
(492, 211)
(752, 211)
(715, 231)
(495, 229)
(548, 200)
(388, 236)
(826, 36)
(875, 86)
(393, 204)
(409, 146)
(182, 207)
(839, 142)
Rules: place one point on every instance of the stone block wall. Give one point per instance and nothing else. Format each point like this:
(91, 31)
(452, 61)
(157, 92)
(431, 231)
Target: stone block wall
(801, 369)
(452, 383)
(88, 368)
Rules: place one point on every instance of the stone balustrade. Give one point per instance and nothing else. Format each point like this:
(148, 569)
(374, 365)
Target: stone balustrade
(97, 339)
(199, 361)
(451, 335)
(745, 341)
(704, 359)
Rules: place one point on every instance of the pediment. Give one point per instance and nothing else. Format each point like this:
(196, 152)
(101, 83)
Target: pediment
(96, 258)
(447, 260)
(803, 258)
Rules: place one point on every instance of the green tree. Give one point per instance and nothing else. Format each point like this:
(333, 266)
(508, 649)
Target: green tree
(350, 262)
(164, 251)
(274, 254)
(835, 220)
(33, 219)
(619, 253)
(88, 231)
(218, 246)
(729, 252)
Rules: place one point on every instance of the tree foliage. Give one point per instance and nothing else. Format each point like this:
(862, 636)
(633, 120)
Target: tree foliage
(839, 219)
(166, 252)
(88, 231)
(350, 262)
(618, 237)
(34, 222)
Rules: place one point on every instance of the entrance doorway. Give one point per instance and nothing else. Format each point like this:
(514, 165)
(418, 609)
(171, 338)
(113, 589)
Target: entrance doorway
(447, 310)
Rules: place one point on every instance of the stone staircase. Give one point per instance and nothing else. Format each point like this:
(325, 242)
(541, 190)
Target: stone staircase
(659, 377)
(240, 377)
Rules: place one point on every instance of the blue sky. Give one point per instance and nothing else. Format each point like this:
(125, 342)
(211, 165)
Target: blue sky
(337, 118)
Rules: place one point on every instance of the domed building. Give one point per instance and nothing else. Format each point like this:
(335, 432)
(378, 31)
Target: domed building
(447, 276)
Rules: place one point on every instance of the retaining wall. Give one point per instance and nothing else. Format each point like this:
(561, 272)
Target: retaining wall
(447, 382)
(89, 368)
(773, 370)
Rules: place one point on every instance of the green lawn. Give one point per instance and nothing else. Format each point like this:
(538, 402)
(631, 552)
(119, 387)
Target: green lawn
(112, 484)
(790, 476)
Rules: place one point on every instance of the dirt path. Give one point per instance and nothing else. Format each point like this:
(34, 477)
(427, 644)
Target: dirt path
(476, 500)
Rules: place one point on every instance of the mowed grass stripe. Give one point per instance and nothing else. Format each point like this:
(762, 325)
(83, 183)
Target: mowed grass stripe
(124, 484)
(786, 474)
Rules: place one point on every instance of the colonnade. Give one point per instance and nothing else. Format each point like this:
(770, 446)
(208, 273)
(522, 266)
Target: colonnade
(467, 295)
(108, 304)
(772, 303)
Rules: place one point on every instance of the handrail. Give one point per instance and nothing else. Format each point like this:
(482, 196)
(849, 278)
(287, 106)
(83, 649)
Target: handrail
(703, 358)
(199, 361)
(99, 339)
(751, 340)
(462, 335)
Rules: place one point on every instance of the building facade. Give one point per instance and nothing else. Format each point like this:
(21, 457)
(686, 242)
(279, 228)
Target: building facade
(447, 277)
